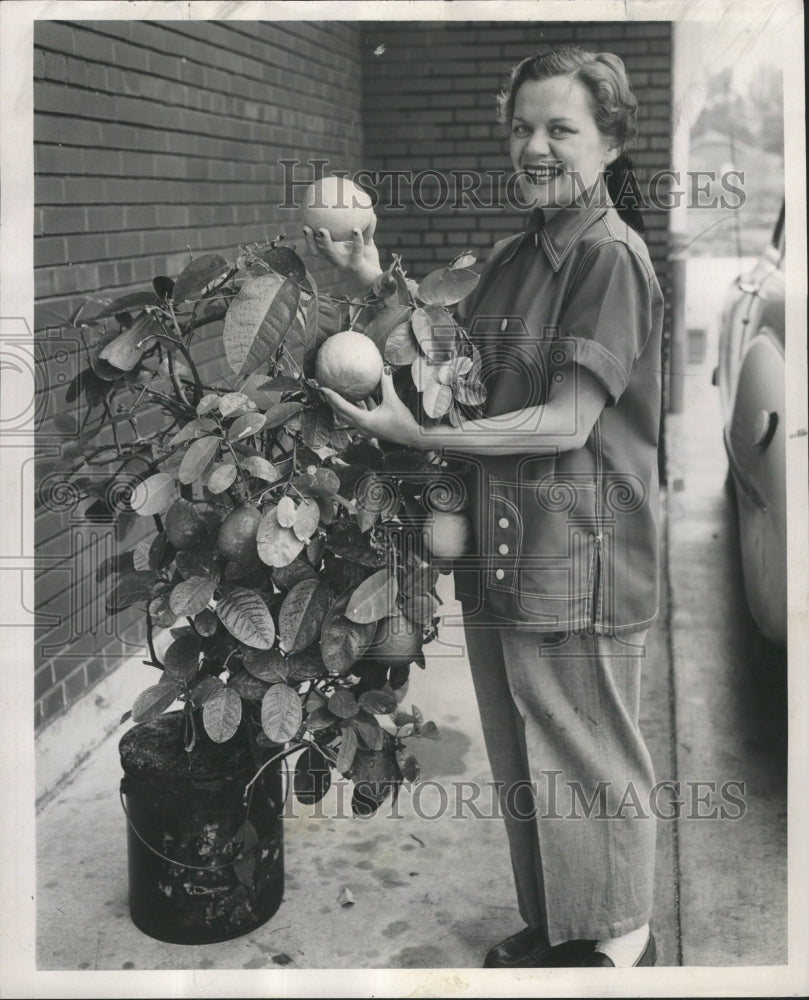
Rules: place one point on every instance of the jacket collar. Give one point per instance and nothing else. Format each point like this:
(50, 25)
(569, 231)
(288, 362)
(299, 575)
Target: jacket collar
(560, 234)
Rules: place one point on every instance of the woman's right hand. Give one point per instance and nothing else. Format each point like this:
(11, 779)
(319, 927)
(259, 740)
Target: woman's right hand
(359, 256)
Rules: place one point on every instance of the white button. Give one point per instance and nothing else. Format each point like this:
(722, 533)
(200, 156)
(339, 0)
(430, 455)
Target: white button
(503, 522)
(502, 549)
(500, 574)
(504, 326)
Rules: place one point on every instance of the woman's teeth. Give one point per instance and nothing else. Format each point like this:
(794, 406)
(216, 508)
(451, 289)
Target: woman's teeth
(538, 174)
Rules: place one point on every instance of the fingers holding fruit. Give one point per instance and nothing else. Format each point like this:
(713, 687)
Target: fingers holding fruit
(338, 223)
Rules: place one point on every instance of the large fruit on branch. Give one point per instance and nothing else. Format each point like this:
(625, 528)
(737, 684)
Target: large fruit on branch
(336, 204)
(237, 535)
(350, 363)
(448, 534)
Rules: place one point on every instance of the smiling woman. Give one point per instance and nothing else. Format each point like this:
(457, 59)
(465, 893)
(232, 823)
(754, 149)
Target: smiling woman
(567, 317)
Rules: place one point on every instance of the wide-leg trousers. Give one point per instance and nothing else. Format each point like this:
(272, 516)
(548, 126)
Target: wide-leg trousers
(560, 721)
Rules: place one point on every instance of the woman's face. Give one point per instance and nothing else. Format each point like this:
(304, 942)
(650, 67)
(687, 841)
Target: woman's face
(555, 146)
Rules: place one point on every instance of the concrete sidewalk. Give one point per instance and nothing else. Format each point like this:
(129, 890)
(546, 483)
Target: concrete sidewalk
(430, 893)
(437, 893)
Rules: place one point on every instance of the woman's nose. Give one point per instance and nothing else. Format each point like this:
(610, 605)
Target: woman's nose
(538, 144)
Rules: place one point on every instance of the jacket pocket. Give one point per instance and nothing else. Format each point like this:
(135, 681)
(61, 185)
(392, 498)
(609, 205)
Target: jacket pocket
(539, 541)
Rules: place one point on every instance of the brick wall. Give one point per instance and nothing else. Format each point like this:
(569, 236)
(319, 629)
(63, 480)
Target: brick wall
(429, 102)
(151, 137)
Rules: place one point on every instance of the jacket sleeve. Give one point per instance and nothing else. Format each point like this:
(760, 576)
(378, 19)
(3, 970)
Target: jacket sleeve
(608, 315)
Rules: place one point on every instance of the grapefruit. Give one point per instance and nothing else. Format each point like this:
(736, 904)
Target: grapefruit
(185, 527)
(350, 363)
(237, 535)
(336, 204)
(447, 534)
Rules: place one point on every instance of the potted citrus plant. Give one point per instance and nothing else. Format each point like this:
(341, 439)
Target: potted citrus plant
(285, 587)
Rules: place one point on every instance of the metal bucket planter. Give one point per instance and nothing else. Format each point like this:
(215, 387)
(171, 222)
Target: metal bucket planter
(204, 865)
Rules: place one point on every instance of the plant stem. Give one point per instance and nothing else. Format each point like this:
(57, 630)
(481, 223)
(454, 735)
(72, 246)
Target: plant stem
(150, 637)
(266, 764)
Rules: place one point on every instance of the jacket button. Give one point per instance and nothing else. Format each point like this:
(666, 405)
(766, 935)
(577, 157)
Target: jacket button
(500, 574)
(502, 549)
(503, 522)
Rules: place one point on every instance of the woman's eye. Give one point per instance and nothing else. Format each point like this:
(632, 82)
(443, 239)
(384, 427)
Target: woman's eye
(561, 130)
(519, 129)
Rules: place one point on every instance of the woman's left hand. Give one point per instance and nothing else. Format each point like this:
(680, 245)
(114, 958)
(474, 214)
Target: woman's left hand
(391, 420)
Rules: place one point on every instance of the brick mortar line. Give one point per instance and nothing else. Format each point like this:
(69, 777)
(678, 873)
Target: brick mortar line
(164, 25)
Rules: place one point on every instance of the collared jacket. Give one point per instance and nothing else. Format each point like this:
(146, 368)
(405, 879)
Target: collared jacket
(569, 541)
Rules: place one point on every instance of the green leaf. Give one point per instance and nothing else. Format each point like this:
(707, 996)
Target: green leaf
(343, 641)
(128, 303)
(285, 262)
(266, 664)
(436, 399)
(320, 718)
(429, 730)
(199, 273)
(369, 731)
(125, 351)
(375, 598)
(257, 321)
(182, 658)
(205, 622)
(192, 595)
(435, 331)
(196, 460)
(154, 701)
(281, 713)
(378, 702)
(193, 429)
(286, 512)
(318, 482)
(306, 665)
(401, 347)
(247, 686)
(246, 426)
(347, 751)
(420, 581)
(234, 403)
(204, 689)
(312, 776)
(259, 467)
(133, 586)
(245, 615)
(161, 613)
(280, 413)
(302, 614)
(343, 704)
(346, 540)
(154, 495)
(410, 768)
(420, 608)
(447, 285)
(222, 478)
(222, 714)
(277, 546)
(385, 322)
(207, 404)
(307, 518)
(285, 577)
(317, 425)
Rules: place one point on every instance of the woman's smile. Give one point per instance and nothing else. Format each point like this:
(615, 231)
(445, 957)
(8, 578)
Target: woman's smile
(556, 147)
